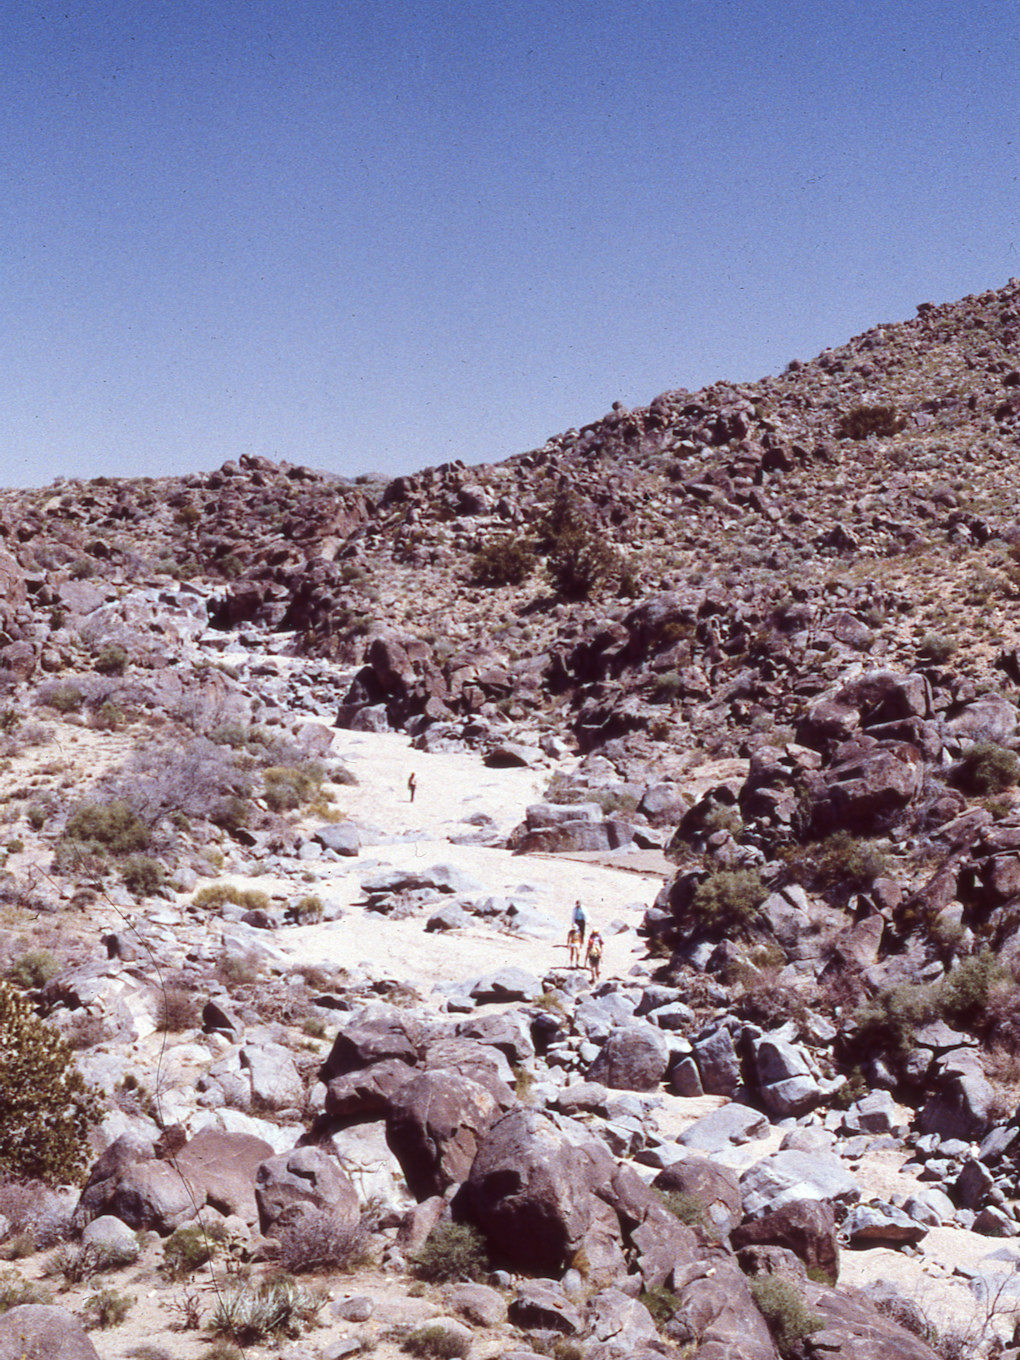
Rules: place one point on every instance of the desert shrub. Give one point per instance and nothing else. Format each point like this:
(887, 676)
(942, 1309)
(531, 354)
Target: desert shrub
(580, 560)
(147, 1351)
(111, 659)
(962, 997)
(435, 1342)
(308, 909)
(783, 1308)
(46, 1109)
(113, 826)
(15, 1290)
(231, 813)
(249, 1314)
(452, 1251)
(217, 894)
(988, 768)
(221, 1349)
(142, 875)
(32, 969)
(187, 1250)
(728, 900)
(937, 648)
(239, 970)
(661, 1302)
(177, 1010)
(37, 816)
(861, 421)
(506, 561)
(63, 696)
(107, 1308)
(846, 861)
(887, 1021)
(319, 1241)
(73, 1263)
(290, 786)
(688, 1208)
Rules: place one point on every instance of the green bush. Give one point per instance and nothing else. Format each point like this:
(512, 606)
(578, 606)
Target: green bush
(688, 1208)
(15, 1290)
(142, 875)
(107, 1308)
(435, 1342)
(217, 894)
(111, 659)
(114, 826)
(308, 909)
(962, 996)
(661, 1302)
(782, 1306)
(452, 1251)
(937, 648)
(728, 900)
(861, 421)
(988, 768)
(506, 561)
(32, 969)
(888, 1021)
(187, 1250)
(290, 786)
(846, 861)
(65, 698)
(46, 1109)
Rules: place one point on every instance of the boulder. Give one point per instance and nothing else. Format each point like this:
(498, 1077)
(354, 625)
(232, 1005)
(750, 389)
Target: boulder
(786, 1176)
(35, 1331)
(723, 1128)
(343, 838)
(376, 1032)
(434, 1125)
(618, 1326)
(221, 1166)
(301, 1182)
(275, 1081)
(634, 1058)
(716, 1188)
(368, 1091)
(717, 1060)
(853, 1329)
(716, 1313)
(805, 1227)
(531, 1192)
(542, 1305)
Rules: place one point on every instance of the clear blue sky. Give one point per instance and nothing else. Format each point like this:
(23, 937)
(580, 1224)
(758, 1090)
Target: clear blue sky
(375, 236)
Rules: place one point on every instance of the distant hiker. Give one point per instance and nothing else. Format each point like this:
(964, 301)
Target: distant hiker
(574, 946)
(412, 784)
(580, 920)
(594, 958)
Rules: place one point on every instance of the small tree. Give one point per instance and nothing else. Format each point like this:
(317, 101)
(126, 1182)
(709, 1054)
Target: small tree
(46, 1109)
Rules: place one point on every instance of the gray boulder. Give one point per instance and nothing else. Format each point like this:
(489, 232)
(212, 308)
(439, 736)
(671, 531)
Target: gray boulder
(434, 1125)
(634, 1058)
(36, 1331)
(728, 1126)
(786, 1176)
(715, 1188)
(304, 1182)
(531, 1191)
(343, 838)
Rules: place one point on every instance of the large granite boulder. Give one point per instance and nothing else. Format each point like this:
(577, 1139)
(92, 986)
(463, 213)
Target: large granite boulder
(531, 1192)
(303, 1182)
(433, 1126)
(634, 1058)
(36, 1331)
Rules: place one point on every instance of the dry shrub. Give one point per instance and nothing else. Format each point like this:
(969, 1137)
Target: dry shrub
(317, 1240)
(177, 1010)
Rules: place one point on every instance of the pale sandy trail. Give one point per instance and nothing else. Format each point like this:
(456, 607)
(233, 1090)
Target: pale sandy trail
(451, 787)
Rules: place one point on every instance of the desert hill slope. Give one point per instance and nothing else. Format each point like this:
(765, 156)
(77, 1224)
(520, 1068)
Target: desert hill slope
(738, 670)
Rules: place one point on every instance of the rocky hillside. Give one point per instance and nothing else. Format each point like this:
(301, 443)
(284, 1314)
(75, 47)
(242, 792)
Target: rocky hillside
(740, 670)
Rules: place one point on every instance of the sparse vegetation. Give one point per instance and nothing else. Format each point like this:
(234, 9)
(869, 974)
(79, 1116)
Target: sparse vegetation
(506, 561)
(46, 1109)
(728, 900)
(782, 1305)
(452, 1251)
(436, 1342)
(988, 768)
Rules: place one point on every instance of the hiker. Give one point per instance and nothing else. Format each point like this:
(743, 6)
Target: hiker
(574, 946)
(580, 920)
(594, 957)
(412, 784)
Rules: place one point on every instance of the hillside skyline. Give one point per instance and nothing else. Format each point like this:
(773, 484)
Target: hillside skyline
(375, 246)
